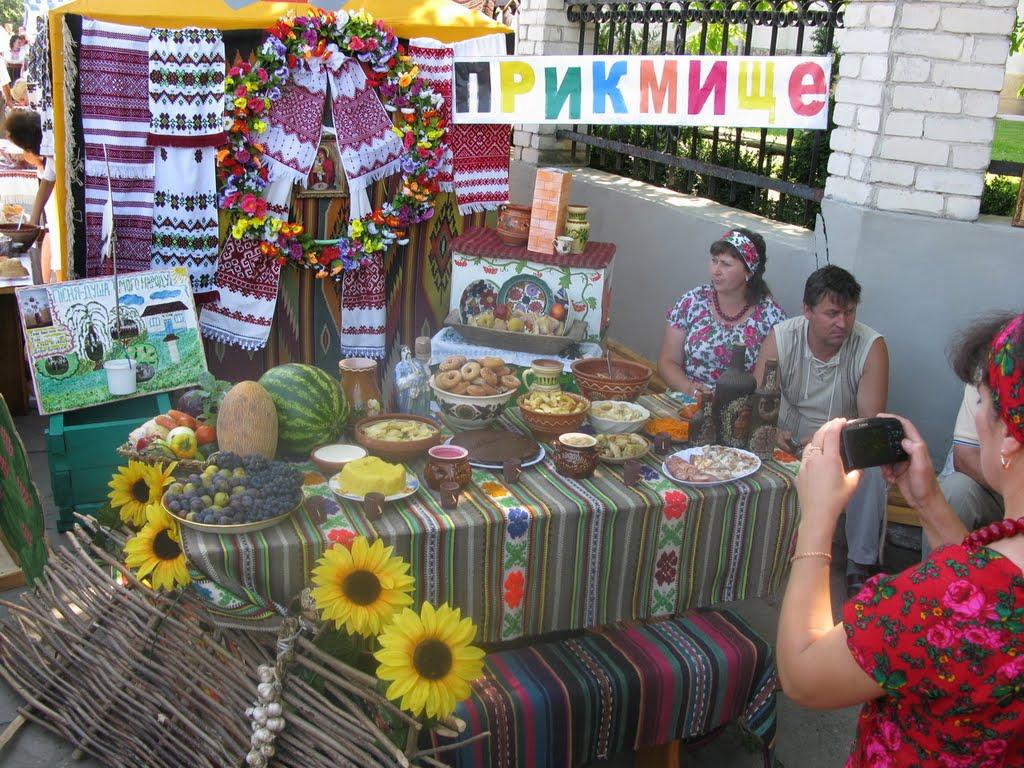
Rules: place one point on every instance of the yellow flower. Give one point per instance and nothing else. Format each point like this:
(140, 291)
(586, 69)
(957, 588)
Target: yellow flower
(155, 553)
(429, 659)
(275, 225)
(494, 490)
(355, 228)
(361, 588)
(135, 487)
(238, 228)
(259, 126)
(240, 103)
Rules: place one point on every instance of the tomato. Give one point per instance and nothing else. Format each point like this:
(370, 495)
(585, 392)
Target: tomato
(205, 434)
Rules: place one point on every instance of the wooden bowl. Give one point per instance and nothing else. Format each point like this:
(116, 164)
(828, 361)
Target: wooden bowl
(550, 425)
(397, 450)
(22, 237)
(628, 380)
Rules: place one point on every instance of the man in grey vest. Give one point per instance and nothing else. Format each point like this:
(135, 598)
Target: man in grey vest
(830, 366)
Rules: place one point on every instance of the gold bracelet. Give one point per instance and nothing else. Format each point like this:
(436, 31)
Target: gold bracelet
(826, 555)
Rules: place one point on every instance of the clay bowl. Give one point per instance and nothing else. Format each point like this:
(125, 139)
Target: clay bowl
(551, 425)
(333, 465)
(22, 237)
(465, 412)
(628, 380)
(397, 450)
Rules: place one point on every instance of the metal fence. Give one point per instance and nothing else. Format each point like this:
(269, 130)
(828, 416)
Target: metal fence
(775, 173)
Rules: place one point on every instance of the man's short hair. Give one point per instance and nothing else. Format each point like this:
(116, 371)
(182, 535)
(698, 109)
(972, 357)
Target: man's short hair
(831, 282)
(25, 129)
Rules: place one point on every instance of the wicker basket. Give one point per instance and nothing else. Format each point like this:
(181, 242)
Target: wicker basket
(185, 466)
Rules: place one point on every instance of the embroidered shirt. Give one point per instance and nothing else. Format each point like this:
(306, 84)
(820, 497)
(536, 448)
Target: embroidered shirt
(708, 345)
(945, 639)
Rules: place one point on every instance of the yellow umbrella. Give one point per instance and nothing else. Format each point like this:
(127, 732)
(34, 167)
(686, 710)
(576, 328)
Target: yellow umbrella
(443, 20)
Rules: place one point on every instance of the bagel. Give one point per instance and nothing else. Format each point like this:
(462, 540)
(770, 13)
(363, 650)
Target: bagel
(487, 388)
(489, 377)
(452, 363)
(509, 382)
(504, 371)
(475, 390)
(460, 388)
(447, 380)
(470, 371)
(492, 362)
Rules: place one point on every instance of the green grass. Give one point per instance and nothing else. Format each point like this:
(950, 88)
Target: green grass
(1008, 143)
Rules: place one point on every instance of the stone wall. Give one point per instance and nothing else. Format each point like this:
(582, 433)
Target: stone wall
(915, 104)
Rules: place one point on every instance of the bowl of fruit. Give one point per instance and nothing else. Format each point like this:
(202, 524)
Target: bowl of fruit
(172, 436)
(235, 494)
(550, 414)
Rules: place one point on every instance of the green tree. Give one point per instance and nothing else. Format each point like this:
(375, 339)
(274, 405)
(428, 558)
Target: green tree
(12, 11)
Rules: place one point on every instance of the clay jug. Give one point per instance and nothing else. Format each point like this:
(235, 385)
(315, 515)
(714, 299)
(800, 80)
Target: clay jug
(732, 400)
(514, 224)
(359, 382)
(702, 423)
(764, 413)
(577, 226)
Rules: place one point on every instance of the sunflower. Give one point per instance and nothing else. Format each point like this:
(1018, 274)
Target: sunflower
(135, 487)
(155, 551)
(361, 587)
(429, 659)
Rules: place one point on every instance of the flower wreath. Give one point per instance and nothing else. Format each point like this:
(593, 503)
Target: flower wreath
(242, 173)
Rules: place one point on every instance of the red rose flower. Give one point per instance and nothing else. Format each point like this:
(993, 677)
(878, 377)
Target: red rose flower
(514, 584)
(676, 503)
(341, 536)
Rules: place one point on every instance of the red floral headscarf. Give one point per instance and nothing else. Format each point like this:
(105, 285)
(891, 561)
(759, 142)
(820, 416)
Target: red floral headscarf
(744, 246)
(1006, 376)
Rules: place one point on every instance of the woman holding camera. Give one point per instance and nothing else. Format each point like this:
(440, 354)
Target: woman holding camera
(936, 653)
(736, 307)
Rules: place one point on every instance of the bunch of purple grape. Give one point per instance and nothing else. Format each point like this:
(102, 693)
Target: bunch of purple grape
(236, 489)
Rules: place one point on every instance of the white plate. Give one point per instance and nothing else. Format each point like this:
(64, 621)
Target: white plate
(537, 459)
(412, 484)
(687, 453)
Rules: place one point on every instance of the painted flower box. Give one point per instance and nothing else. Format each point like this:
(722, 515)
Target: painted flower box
(487, 272)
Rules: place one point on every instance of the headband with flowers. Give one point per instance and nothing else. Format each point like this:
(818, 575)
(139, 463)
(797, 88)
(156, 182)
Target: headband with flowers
(1006, 376)
(745, 246)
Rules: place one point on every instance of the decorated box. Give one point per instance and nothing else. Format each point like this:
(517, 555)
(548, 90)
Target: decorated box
(486, 273)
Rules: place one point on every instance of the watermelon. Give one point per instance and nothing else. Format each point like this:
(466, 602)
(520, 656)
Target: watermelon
(311, 406)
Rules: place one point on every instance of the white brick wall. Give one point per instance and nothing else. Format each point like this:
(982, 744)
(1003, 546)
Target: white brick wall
(918, 90)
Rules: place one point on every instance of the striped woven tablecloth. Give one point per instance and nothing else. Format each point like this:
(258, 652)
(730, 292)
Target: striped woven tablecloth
(546, 554)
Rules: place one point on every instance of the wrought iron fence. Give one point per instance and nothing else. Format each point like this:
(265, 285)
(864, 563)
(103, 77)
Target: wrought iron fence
(778, 174)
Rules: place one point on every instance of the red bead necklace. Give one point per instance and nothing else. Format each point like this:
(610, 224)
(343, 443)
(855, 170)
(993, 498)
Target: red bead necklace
(1001, 529)
(721, 314)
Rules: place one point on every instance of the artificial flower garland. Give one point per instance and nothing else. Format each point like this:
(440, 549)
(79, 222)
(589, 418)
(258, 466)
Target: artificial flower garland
(243, 174)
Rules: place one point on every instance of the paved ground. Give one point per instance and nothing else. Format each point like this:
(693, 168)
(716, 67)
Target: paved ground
(806, 739)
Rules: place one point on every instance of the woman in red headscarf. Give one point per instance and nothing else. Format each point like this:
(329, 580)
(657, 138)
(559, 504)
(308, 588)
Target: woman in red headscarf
(936, 653)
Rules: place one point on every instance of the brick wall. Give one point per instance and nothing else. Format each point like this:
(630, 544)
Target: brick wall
(915, 104)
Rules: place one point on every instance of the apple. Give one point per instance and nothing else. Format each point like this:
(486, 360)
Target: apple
(558, 311)
(501, 312)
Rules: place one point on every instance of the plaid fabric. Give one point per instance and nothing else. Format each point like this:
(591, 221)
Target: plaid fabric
(627, 687)
(545, 554)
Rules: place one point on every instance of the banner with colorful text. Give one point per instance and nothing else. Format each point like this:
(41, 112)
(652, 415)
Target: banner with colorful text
(746, 91)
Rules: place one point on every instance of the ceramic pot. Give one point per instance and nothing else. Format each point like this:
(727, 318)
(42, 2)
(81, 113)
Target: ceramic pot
(577, 226)
(447, 464)
(543, 376)
(359, 382)
(514, 224)
(576, 455)
(731, 407)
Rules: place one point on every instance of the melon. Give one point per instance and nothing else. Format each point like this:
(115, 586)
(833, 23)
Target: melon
(311, 406)
(247, 421)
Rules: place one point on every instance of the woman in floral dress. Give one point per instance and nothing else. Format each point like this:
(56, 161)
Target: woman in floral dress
(736, 307)
(936, 653)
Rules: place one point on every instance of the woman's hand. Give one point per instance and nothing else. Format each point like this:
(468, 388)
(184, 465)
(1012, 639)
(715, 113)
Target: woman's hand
(823, 486)
(915, 478)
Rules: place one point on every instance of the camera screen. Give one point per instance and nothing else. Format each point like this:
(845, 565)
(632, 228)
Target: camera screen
(871, 447)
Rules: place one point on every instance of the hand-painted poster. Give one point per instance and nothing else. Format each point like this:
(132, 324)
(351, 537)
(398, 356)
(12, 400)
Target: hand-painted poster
(21, 514)
(89, 344)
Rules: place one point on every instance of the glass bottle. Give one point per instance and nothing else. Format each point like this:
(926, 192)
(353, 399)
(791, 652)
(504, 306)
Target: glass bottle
(412, 379)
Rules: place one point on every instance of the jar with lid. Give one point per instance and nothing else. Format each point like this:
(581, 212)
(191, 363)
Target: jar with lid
(412, 379)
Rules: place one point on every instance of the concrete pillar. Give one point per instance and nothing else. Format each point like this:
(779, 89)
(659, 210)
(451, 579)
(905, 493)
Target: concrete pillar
(544, 30)
(916, 102)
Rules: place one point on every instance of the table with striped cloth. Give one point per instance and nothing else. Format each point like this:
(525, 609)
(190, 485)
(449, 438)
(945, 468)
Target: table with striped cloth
(627, 687)
(546, 554)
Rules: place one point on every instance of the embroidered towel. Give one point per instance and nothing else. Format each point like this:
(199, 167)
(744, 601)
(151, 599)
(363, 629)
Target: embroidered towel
(185, 227)
(36, 70)
(480, 153)
(246, 282)
(363, 311)
(113, 74)
(294, 124)
(436, 63)
(186, 88)
(369, 149)
(133, 224)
